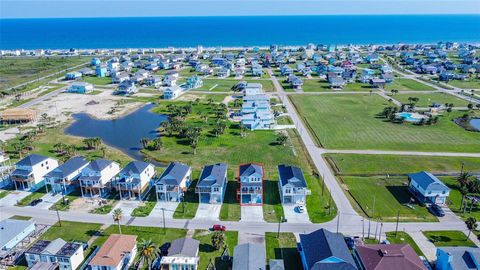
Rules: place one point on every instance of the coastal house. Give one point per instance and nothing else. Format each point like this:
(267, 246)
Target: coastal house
(257, 70)
(101, 70)
(13, 231)
(63, 178)
(126, 88)
(386, 257)
(336, 82)
(182, 254)
(286, 70)
(172, 92)
(223, 72)
(87, 71)
(377, 82)
(95, 177)
(194, 82)
(292, 185)
(132, 180)
(249, 256)
(68, 255)
(117, 253)
(173, 182)
(80, 88)
(323, 249)
(295, 82)
(5, 169)
(458, 258)
(120, 77)
(73, 76)
(30, 171)
(95, 61)
(154, 81)
(372, 58)
(256, 111)
(212, 184)
(251, 89)
(427, 188)
(250, 177)
(170, 78)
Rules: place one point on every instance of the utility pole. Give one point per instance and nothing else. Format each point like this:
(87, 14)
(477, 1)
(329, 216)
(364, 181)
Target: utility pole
(164, 228)
(338, 221)
(376, 230)
(380, 233)
(363, 228)
(58, 216)
(396, 226)
(278, 231)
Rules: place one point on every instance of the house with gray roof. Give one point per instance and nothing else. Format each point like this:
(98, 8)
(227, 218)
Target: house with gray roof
(30, 171)
(95, 178)
(133, 180)
(427, 188)
(251, 184)
(249, 256)
(212, 183)
(323, 249)
(69, 255)
(182, 254)
(13, 231)
(292, 185)
(173, 182)
(458, 258)
(64, 178)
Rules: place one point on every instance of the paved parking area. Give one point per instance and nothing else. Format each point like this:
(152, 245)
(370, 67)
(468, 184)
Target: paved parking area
(13, 197)
(293, 216)
(48, 200)
(127, 206)
(208, 211)
(169, 207)
(252, 213)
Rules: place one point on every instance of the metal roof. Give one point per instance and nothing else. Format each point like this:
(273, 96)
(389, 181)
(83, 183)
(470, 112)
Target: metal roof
(213, 174)
(185, 247)
(31, 160)
(11, 228)
(174, 173)
(249, 256)
(292, 175)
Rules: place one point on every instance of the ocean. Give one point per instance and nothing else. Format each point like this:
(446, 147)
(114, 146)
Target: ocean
(161, 32)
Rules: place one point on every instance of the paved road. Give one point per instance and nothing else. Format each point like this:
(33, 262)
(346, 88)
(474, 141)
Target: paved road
(42, 98)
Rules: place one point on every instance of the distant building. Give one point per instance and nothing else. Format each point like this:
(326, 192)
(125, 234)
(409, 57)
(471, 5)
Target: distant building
(73, 76)
(13, 231)
(117, 253)
(172, 92)
(249, 256)
(30, 171)
(5, 168)
(126, 88)
(182, 254)
(194, 82)
(68, 255)
(80, 88)
(101, 70)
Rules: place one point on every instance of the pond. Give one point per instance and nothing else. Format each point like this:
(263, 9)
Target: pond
(123, 133)
(475, 123)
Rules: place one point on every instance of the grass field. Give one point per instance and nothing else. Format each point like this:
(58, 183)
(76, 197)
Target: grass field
(188, 208)
(225, 85)
(14, 71)
(471, 83)
(146, 206)
(455, 200)
(31, 197)
(207, 252)
(449, 239)
(425, 100)
(350, 122)
(284, 248)
(405, 84)
(97, 80)
(403, 238)
(71, 231)
(381, 198)
(316, 85)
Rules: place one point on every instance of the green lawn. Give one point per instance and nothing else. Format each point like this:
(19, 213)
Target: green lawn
(381, 198)
(272, 207)
(188, 208)
(284, 120)
(225, 85)
(230, 210)
(146, 206)
(455, 200)
(71, 231)
(426, 100)
(405, 84)
(449, 239)
(404, 238)
(207, 252)
(17, 217)
(3, 194)
(285, 248)
(316, 85)
(351, 122)
(97, 80)
(32, 196)
(397, 164)
(471, 83)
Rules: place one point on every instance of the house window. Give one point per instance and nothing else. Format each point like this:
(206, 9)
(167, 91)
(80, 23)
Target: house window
(215, 189)
(288, 190)
(43, 258)
(32, 257)
(52, 259)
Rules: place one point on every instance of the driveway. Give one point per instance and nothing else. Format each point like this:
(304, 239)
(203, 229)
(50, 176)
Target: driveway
(427, 247)
(169, 207)
(208, 211)
(127, 207)
(292, 216)
(14, 197)
(48, 200)
(252, 213)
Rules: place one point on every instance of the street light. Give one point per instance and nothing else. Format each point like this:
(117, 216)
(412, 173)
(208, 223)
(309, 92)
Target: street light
(281, 220)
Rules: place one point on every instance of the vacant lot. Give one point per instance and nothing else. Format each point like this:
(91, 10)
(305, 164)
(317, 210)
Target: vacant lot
(404, 84)
(320, 85)
(425, 100)
(351, 122)
(225, 85)
(449, 239)
(471, 83)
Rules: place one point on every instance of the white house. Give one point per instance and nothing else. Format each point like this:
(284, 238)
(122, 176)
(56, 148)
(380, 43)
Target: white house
(253, 89)
(94, 178)
(68, 255)
(174, 182)
(134, 179)
(62, 179)
(13, 231)
(427, 188)
(30, 171)
(182, 254)
(292, 185)
(117, 253)
(172, 92)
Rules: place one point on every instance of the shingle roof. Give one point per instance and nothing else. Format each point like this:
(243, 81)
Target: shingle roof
(184, 247)
(68, 167)
(322, 244)
(11, 228)
(213, 174)
(389, 257)
(292, 175)
(249, 256)
(112, 251)
(428, 181)
(135, 167)
(463, 257)
(174, 173)
(31, 160)
(251, 169)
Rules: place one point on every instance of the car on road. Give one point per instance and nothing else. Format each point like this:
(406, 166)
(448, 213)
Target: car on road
(436, 210)
(35, 202)
(300, 209)
(218, 227)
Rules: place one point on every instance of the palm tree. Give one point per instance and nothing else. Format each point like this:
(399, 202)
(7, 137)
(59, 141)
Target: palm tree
(117, 217)
(218, 240)
(144, 142)
(148, 251)
(282, 138)
(104, 151)
(471, 223)
(462, 180)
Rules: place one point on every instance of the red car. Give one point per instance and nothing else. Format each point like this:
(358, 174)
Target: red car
(218, 227)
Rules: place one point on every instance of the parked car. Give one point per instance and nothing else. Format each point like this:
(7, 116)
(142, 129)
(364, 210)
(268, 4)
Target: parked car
(436, 210)
(300, 209)
(164, 248)
(35, 202)
(218, 227)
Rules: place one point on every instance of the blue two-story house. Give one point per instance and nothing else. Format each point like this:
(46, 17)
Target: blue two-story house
(250, 177)
(212, 184)
(63, 179)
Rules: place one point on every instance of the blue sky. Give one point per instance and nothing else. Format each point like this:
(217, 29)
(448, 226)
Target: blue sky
(139, 8)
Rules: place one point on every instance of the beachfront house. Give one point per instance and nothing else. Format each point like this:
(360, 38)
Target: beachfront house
(117, 253)
(126, 88)
(386, 256)
(427, 188)
(172, 92)
(249, 256)
(292, 185)
(13, 231)
(250, 177)
(63, 178)
(80, 88)
(212, 184)
(453, 258)
(134, 179)
(30, 171)
(323, 249)
(182, 254)
(174, 182)
(73, 76)
(95, 178)
(68, 255)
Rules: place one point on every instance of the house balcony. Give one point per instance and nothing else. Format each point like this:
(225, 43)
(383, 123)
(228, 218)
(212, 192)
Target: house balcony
(19, 178)
(203, 189)
(249, 191)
